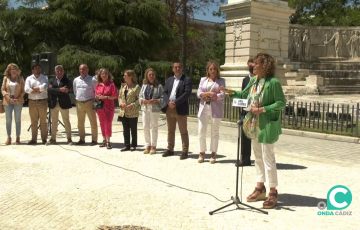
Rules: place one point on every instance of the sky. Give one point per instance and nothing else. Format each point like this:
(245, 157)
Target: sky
(207, 17)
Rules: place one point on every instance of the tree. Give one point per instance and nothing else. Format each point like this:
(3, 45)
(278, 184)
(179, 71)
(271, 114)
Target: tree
(113, 34)
(15, 41)
(326, 12)
(196, 32)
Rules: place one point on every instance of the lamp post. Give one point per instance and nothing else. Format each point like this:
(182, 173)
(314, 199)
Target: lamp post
(184, 35)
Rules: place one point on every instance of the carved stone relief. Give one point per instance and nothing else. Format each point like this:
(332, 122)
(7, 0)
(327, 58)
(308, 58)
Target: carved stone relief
(309, 44)
(354, 44)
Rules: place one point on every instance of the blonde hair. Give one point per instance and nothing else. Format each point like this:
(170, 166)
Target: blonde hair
(217, 67)
(146, 77)
(268, 63)
(98, 76)
(131, 74)
(8, 69)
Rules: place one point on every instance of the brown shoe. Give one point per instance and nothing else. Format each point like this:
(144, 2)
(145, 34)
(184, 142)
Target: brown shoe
(184, 156)
(8, 141)
(32, 142)
(17, 142)
(271, 201)
(213, 158)
(261, 195)
(168, 153)
(201, 158)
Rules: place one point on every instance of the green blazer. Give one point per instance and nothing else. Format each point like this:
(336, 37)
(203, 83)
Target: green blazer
(273, 101)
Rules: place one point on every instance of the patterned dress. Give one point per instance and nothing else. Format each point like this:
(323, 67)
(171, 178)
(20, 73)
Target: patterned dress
(251, 121)
(106, 114)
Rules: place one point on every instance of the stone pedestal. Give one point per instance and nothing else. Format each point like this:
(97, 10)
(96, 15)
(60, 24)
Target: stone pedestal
(253, 27)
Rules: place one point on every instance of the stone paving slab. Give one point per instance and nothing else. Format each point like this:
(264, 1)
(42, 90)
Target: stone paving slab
(55, 187)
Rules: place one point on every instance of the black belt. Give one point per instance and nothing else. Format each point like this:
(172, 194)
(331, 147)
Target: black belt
(38, 99)
(86, 100)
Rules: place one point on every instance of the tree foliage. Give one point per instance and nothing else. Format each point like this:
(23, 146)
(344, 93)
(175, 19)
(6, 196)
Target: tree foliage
(115, 34)
(326, 12)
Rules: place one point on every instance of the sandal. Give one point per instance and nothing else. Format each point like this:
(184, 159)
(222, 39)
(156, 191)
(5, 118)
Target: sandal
(260, 196)
(108, 146)
(201, 157)
(132, 149)
(213, 158)
(271, 201)
(103, 144)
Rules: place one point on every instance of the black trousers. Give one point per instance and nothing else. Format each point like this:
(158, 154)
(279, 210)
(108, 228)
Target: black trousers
(130, 124)
(246, 145)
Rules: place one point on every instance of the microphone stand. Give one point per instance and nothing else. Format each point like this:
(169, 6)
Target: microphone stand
(235, 199)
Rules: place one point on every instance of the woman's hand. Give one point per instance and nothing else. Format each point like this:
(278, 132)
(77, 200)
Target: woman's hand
(123, 105)
(154, 100)
(223, 89)
(127, 107)
(258, 111)
(144, 101)
(214, 97)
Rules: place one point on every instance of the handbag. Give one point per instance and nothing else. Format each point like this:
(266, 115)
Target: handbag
(2, 110)
(98, 104)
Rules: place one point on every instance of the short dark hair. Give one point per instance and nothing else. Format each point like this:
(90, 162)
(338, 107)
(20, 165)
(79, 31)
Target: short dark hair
(33, 65)
(177, 62)
(250, 60)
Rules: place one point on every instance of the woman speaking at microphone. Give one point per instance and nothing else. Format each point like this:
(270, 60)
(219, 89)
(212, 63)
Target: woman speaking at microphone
(262, 124)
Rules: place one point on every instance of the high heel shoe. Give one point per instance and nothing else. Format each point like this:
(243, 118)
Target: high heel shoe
(201, 157)
(213, 158)
(103, 144)
(271, 201)
(8, 141)
(260, 196)
(108, 146)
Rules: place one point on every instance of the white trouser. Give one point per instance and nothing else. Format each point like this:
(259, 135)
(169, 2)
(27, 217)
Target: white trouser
(215, 124)
(265, 162)
(150, 118)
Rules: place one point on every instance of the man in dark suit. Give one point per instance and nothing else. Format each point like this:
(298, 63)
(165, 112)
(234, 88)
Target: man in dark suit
(176, 96)
(246, 142)
(59, 101)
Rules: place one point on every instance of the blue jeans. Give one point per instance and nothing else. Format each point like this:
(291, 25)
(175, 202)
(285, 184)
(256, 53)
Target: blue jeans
(8, 114)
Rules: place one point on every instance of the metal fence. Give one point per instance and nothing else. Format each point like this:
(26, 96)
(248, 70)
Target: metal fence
(340, 119)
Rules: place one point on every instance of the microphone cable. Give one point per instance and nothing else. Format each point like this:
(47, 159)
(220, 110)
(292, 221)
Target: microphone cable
(146, 176)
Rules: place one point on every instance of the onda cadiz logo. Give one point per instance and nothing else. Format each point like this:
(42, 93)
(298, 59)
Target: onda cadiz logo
(338, 198)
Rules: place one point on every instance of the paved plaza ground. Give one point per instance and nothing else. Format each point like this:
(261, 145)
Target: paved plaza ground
(83, 187)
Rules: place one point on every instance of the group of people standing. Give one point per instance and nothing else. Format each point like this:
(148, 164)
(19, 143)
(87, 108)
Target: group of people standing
(262, 125)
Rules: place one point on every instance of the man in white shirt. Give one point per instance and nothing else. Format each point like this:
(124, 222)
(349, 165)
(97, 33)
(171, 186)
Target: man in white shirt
(36, 86)
(176, 96)
(84, 89)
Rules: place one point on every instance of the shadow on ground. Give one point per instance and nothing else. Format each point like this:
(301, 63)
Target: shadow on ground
(279, 166)
(286, 201)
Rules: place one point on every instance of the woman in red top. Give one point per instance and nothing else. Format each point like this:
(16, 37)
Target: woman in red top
(107, 92)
